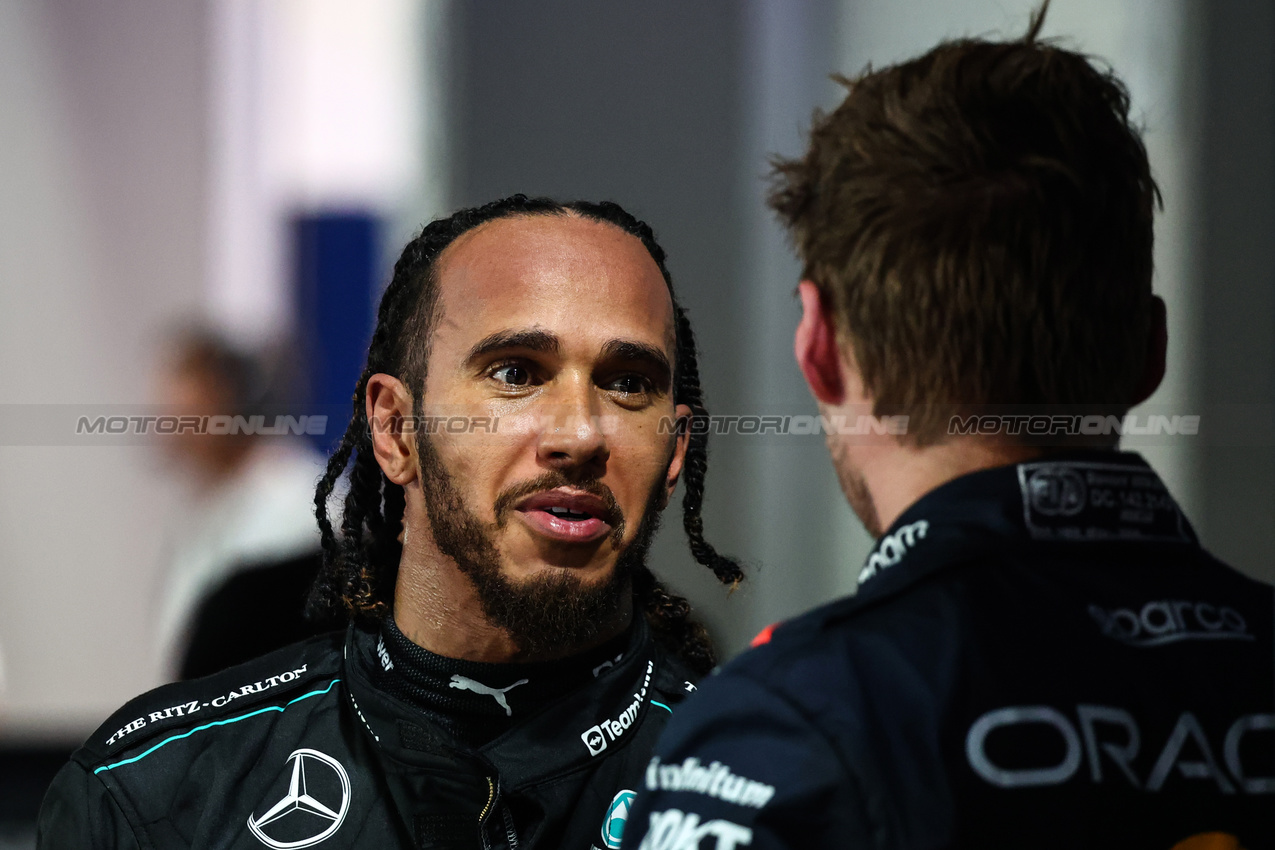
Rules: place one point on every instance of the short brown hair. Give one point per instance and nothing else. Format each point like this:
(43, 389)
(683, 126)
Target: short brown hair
(979, 220)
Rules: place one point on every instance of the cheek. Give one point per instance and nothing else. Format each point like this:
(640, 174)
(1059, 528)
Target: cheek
(642, 466)
(470, 462)
(486, 461)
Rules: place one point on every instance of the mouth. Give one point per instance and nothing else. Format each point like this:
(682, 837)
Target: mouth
(567, 516)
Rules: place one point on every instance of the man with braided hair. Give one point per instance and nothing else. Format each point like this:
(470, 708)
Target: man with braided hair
(522, 421)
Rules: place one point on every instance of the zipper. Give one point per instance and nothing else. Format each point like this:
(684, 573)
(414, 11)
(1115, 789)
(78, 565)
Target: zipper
(482, 818)
(491, 798)
(506, 818)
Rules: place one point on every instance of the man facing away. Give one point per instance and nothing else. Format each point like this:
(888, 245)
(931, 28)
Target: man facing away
(511, 658)
(1040, 654)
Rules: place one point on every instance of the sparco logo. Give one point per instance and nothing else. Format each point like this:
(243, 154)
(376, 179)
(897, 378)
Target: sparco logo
(1168, 621)
(597, 738)
(893, 547)
(312, 808)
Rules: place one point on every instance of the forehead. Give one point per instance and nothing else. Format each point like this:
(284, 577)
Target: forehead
(587, 281)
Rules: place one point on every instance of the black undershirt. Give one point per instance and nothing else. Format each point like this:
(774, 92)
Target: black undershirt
(455, 695)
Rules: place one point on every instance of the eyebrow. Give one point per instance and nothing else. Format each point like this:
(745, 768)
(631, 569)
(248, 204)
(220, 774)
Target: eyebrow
(543, 341)
(622, 349)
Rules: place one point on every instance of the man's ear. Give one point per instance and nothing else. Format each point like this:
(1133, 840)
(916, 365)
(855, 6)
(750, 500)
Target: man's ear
(815, 346)
(389, 406)
(1157, 351)
(683, 431)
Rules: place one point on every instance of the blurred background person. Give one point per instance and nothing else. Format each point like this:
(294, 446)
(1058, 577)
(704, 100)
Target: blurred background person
(246, 550)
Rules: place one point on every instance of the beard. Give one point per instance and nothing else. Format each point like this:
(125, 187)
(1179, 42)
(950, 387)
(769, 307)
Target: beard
(547, 614)
(854, 487)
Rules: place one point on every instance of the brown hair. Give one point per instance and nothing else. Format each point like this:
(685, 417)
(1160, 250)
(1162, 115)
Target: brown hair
(979, 220)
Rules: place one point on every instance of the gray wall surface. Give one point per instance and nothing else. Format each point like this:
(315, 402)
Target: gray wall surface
(669, 108)
(1235, 277)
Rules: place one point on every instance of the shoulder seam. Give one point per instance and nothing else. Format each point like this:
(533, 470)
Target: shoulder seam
(147, 725)
(213, 723)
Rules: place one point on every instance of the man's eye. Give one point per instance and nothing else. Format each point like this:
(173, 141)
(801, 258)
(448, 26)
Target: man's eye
(513, 375)
(630, 384)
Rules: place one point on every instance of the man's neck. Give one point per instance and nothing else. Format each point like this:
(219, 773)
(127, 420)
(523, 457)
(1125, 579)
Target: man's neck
(898, 475)
(443, 614)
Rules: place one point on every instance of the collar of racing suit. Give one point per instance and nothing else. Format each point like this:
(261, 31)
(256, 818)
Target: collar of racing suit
(477, 702)
(440, 784)
(1073, 496)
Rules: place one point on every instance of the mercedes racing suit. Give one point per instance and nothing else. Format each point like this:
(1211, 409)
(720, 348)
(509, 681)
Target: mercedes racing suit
(300, 749)
(1039, 656)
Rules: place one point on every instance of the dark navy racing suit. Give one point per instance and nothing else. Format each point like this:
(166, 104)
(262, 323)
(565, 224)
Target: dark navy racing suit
(1039, 656)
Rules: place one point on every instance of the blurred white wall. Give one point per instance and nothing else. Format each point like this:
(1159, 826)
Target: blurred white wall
(151, 154)
(314, 105)
(103, 164)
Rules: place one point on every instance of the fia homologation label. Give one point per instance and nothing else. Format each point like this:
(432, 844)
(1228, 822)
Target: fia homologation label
(1098, 501)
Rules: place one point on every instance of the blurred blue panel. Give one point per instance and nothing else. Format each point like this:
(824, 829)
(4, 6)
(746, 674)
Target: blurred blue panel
(336, 270)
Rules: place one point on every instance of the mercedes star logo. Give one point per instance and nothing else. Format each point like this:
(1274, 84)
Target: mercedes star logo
(309, 812)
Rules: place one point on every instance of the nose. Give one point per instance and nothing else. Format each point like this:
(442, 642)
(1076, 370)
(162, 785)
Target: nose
(571, 435)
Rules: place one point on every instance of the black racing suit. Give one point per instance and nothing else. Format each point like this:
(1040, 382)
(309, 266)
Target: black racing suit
(300, 748)
(1039, 656)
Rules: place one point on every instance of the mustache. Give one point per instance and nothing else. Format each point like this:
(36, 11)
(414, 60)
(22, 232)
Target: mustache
(552, 480)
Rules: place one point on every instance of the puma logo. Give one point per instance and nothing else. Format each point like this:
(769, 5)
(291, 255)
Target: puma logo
(465, 683)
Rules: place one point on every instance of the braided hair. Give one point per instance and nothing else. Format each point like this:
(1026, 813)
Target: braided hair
(360, 566)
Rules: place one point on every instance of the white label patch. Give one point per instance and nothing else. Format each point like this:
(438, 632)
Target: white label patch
(1098, 501)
